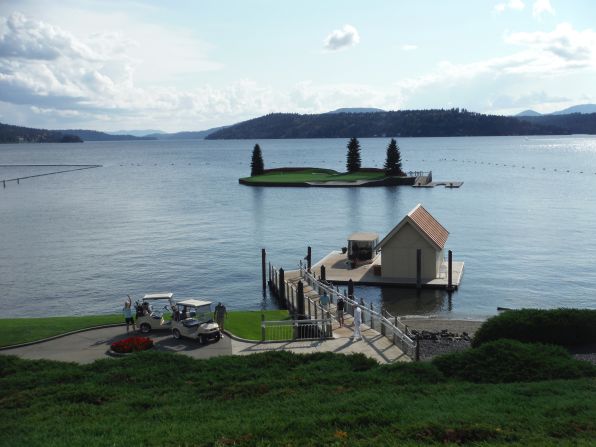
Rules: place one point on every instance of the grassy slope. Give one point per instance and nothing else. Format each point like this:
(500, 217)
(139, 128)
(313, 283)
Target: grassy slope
(280, 399)
(314, 175)
(22, 330)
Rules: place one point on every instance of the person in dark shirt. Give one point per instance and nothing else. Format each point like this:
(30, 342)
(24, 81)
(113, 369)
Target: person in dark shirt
(340, 311)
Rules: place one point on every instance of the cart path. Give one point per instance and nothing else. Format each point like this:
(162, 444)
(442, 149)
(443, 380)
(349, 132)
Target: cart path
(88, 346)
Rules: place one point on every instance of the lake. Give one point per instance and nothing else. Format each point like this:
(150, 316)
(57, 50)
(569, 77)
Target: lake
(171, 216)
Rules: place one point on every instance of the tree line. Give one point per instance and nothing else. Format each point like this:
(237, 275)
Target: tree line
(392, 165)
(404, 123)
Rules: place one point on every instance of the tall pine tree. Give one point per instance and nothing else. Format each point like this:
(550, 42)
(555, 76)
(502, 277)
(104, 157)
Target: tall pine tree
(353, 159)
(257, 167)
(393, 160)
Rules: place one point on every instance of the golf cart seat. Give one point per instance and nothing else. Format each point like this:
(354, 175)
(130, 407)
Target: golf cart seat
(190, 322)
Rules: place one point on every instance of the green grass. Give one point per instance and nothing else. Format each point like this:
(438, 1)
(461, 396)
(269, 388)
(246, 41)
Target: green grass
(280, 398)
(314, 175)
(247, 324)
(22, 330)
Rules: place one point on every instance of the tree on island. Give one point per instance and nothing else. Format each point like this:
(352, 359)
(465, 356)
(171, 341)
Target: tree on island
(393, 161)
(257, 167)
(353, 159)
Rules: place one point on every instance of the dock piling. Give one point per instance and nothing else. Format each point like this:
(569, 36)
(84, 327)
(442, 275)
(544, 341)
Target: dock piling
(281, 286)
(450, 270)
(323, 273)
(351, 289)
(308, 258)
(300, 298)
(263, 268)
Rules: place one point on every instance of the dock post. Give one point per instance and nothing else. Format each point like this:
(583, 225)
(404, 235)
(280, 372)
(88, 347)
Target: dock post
(418, 268)
(263, 268)
(300, 298)
(281, 286)
(449, 270)
(371, 316)
(323, 273)
(270, 273)
(308, 258)
(262, 327)
(351, 289)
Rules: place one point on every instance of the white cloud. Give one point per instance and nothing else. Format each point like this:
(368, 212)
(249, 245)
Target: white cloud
(409, 47)
(516, 5)
(542, 6)
(342, 38)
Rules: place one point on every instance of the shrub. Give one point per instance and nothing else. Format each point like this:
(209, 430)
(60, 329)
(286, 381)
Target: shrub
(504, 361)
(566, 327)
(132, 344)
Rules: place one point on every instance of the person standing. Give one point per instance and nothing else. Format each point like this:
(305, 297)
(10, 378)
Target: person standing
(127, 312)
(220, 315)
(340, 311)
(357, 322)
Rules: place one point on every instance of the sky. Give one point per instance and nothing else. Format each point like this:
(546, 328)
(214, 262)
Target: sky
(192, 65)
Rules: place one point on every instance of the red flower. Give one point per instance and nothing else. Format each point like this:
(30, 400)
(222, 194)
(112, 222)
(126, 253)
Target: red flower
(132, 344)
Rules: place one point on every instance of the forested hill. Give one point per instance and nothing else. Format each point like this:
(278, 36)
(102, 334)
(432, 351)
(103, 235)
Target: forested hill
(404, 123)
(17, 134)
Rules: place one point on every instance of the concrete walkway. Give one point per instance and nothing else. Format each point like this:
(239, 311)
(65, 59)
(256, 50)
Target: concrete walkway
(88, 346)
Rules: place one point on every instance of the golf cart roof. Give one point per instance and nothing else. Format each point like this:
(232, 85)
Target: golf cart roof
(193, 303)
(158, 296)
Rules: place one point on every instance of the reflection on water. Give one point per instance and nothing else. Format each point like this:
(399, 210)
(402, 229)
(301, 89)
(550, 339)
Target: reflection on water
(407, 301)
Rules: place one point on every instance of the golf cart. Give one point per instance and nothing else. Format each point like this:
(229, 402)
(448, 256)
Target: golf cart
(152, 310)
(192, 319)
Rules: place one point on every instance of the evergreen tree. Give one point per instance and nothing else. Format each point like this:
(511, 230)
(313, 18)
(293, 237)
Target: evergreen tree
(353, 159)
(257, 167)
(393, 160)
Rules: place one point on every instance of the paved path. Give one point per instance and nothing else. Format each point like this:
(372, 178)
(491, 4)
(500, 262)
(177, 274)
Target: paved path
(88, 346)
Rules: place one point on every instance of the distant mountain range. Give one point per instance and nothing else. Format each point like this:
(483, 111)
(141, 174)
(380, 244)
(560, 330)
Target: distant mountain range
(404, 123)
(357, 110)
(582, 108)
(18, 134)
(136, 133)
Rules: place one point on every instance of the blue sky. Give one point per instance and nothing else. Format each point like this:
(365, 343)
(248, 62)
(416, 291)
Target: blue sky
(191, 65)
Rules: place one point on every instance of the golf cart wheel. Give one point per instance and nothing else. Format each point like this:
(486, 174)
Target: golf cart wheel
(145, 328)
(218, 337)
(176, 334)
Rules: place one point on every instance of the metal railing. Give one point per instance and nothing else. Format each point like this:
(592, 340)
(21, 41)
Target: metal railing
(286, 330)
(381, 321)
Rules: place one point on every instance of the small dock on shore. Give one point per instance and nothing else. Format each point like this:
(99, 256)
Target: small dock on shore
(339, 271)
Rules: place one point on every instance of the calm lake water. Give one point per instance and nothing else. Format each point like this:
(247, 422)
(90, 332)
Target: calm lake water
(171, 216)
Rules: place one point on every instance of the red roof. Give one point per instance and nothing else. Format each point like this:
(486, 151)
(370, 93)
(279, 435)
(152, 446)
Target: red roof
(429, 225)
(426, 224)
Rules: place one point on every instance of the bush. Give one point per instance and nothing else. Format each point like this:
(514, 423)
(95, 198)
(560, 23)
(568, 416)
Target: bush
(132, 344)
(566, 327)
(505, 361)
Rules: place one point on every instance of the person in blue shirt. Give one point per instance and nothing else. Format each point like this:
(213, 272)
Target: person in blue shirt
(127, 312)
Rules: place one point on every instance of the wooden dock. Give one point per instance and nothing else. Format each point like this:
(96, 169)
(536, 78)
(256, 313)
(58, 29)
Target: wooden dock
(338, 271)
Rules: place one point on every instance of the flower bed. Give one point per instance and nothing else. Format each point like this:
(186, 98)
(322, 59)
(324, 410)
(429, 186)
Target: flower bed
(132, 344)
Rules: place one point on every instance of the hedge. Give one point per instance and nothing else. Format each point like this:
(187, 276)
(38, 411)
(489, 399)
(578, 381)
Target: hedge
(504, 361)
(565, 327)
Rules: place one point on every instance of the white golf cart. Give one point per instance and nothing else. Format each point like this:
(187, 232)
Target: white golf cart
(153, 312)
(193, 319)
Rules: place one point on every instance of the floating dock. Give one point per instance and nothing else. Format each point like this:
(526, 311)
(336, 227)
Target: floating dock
(338, 270)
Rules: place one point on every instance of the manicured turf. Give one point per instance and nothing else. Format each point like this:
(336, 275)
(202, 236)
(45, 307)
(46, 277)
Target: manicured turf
(279, 398)
(23, 330)
(245, 324)
(314, 175)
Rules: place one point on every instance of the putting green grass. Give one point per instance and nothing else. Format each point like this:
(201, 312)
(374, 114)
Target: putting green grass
(22, 330)
(313, 175)
(245, 324)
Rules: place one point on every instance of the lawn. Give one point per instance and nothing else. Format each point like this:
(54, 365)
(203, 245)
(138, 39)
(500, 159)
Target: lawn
(314, 175)
(23, 330)
(245, 324)
(280, 398)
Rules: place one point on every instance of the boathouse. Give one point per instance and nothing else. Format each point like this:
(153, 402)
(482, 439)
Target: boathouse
(418, 230)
